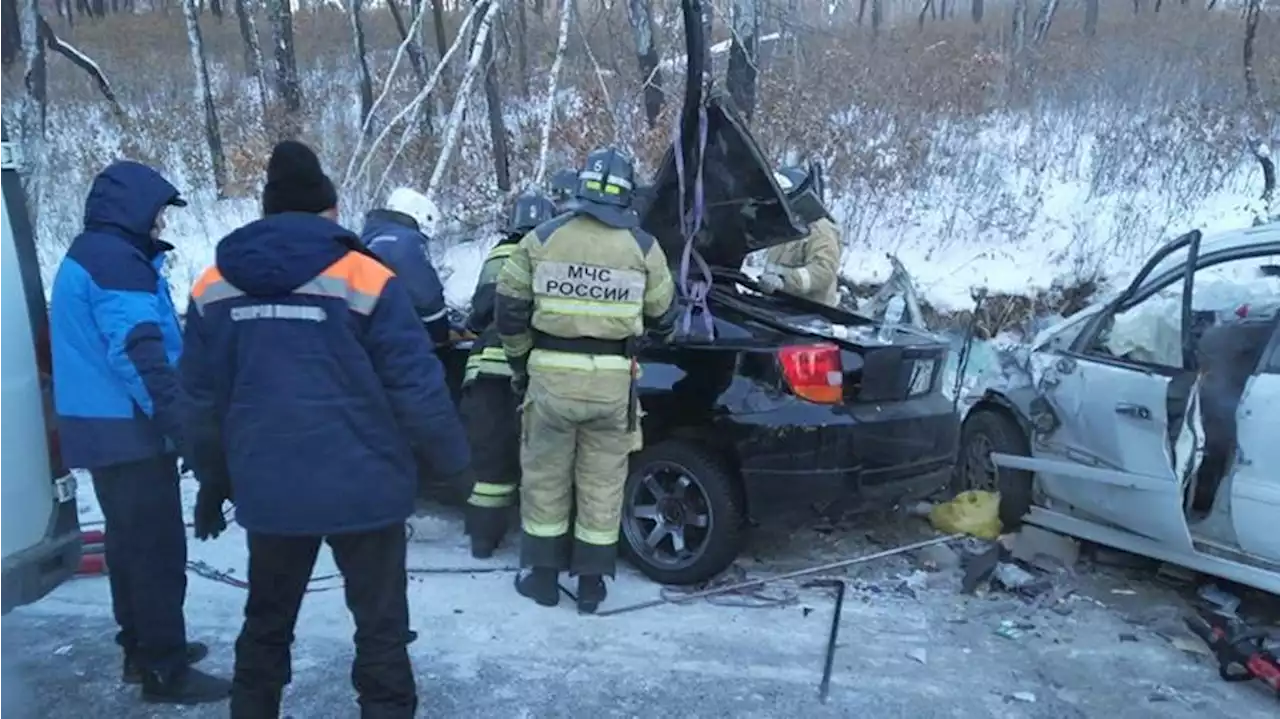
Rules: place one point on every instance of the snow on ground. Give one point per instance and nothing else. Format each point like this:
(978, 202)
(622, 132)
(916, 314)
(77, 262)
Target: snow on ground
(909, 645)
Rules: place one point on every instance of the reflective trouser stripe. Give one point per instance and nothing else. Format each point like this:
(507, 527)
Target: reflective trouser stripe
(552, 530)
(547, 359)
(492, 495)
(596, 537)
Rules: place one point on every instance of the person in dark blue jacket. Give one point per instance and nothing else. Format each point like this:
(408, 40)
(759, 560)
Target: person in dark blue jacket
(115, 342)
(314, 391)
(397, 235)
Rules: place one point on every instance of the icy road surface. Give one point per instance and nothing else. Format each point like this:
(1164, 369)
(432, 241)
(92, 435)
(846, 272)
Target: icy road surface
(909, 646)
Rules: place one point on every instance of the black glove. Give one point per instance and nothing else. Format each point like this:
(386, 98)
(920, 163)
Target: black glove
(209, 519)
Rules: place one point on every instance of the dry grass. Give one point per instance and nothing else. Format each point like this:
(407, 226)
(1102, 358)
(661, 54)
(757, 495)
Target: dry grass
(1157, 99)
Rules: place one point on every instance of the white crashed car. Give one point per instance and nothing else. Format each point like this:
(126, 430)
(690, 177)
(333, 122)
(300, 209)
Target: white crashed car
(1150, 422)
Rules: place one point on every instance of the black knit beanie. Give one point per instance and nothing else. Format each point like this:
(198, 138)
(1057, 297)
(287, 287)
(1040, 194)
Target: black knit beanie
(295, 182)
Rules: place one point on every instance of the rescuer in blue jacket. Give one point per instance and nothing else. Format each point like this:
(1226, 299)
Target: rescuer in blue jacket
(314, 391)
(119, 402)
(397, 235)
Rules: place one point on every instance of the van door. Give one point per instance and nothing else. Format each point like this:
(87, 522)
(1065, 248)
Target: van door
(41, 530)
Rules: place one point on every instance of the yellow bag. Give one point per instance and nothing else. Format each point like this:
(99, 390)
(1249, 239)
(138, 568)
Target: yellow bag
(974, 512)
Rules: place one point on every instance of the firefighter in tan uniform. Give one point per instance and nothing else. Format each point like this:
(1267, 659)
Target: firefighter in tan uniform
(808, 267)
(489, 405)
(573, 297)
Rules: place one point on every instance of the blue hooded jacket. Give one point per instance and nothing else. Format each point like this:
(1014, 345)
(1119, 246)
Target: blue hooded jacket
(395, 238)
(114, 333)
(314, 390)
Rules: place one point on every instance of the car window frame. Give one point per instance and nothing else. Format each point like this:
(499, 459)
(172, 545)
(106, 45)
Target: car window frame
(1142, 289)
(1138, 291)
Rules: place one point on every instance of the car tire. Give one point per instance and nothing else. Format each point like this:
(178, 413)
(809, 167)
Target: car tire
(993, 430)
(711, 490)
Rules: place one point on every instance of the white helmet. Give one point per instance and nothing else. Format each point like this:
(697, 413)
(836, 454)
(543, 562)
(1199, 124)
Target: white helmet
(784, 182)
(416, 205)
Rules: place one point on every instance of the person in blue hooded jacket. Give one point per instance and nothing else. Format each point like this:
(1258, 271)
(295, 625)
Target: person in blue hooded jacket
(314, 391)
(115, 343)
(396, 233)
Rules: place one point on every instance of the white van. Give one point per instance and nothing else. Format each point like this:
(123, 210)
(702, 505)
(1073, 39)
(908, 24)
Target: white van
(39, 530)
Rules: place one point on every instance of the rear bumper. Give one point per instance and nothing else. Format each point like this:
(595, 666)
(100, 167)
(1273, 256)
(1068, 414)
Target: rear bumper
(802, 452)
(31, 573)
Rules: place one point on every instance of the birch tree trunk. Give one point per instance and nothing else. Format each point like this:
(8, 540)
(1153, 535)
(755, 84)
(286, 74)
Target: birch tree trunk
(362, 65)
(641, 15)
(744, 54)
(253, 65)
(1258, 117)
(454, 126)
(204, 96)
(549, 111)
(1019, 26)
(35, 107)
(1048, 8)
(288, 88)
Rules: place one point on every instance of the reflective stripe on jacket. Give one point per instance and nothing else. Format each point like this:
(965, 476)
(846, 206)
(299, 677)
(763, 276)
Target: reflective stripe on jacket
(487, 357)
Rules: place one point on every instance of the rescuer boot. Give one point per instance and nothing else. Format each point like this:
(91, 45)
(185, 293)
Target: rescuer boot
(539, 584)
(186, 686)
(132, 673)
(591, 593)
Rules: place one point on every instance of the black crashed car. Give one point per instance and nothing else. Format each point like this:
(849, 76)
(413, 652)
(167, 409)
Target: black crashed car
(789, 400)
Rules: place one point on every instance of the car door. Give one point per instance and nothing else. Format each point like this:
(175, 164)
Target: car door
(1255, 482)
(1111, 394)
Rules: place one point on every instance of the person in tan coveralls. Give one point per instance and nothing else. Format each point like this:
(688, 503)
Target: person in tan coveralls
(573, 297)
(808, 267)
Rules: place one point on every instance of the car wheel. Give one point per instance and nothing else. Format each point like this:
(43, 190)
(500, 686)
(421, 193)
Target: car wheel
(984, 432)
(681, 517)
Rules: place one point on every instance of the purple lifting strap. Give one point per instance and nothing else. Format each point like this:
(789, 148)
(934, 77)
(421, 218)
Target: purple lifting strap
(693, 291)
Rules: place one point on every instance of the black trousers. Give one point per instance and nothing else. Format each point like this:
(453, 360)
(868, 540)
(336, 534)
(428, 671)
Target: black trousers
(146, 552)
(376, 586)
(491, 413)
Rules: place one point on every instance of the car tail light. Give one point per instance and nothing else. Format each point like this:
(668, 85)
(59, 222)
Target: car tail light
(814, 372)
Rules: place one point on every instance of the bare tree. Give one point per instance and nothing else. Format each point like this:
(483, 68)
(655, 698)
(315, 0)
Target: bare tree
(416, 57)
(744, 55)
(442, 39)
(288, 87)
(35, 107)
(497, 125)
(1258, 115)
(1048, 8)
(924, 10)
(215, 8)
(1019, 26)
(522, 45)
(454, 125)
(362, 65)
(204, 96)
(549, 111)
(11, 30)
(877, 16)
(976, 10)
(641, 15)
(1090, 18)
(51, 41)
(253, 65)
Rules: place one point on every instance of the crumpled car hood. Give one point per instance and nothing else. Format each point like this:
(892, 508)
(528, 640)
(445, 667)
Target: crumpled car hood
(744, 208)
